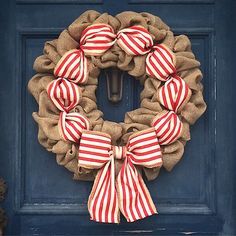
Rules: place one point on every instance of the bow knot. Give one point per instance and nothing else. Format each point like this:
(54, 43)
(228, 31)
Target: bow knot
(119, 152)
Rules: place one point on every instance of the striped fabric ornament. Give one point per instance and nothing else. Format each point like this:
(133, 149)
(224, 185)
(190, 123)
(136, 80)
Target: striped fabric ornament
(160, 63)
(129, 192)
(64, 94)
(174, 94)
(168, 127)
(97, 39)
(135, 40)
(72, 66)
(71, 125)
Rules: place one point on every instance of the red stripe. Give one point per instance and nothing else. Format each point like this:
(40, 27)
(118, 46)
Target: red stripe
(82, 144)
(123, 184)
(61, 64)
(106, 180)
(82, 158)
(165, 59)
(161, 65)
(72, 135)
(167, 119)
(128, 46)
(63, 73)
(155, 68)
(94, 153)
(144, 189)
(177, 134)
(98, 194)
(141, 140)
(96, 140)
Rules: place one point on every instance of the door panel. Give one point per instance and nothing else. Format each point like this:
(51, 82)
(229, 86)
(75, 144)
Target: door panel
(43, 198)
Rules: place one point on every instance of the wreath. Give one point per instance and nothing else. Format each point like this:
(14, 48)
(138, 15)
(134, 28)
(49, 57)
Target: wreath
(115, 155)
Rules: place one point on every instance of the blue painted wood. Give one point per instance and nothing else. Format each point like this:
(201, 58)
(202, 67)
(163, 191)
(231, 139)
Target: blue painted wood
(198, 196)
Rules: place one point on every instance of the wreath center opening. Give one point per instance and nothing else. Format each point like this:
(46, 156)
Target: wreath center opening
(125, 88)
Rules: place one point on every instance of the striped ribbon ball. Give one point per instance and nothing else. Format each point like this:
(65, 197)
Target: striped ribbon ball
(135, 40)
(64, 94)
(72, 66)
(71, 125)
(174, 94)
(160, 63)
(168, 127)
(96, 39)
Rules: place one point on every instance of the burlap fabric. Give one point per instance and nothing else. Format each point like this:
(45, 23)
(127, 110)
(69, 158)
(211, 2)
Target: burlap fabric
(139, 119)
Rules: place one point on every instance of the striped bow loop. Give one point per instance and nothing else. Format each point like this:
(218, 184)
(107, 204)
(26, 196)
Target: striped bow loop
(135, 40)
(134, 198)
(64, 94)
(71, 125)
(168, 127)
(160, 63)
(96, 39)
(95, 153)
(174, 94)
(72, 66)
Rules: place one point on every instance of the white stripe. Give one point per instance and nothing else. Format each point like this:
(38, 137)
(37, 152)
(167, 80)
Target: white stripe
(92, 156)
(158, 65)
(136, 158)
(164, 51)
(71, 57)
(161, 120)
(147, 149)
(141, 136)
(95, 136)
(124, 47)
(164, 63)
(103, 145)
(94, 150)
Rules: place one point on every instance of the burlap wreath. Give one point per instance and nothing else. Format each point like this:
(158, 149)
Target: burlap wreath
(48, 115)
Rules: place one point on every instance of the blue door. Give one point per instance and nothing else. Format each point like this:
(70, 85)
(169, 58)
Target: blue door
(197, 197)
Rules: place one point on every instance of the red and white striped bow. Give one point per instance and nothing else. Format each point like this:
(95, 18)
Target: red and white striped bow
(168, 127)
(135, 40)
(160, 63)
(174, 93)
(128, 192)
(64, 94)
(71, 125)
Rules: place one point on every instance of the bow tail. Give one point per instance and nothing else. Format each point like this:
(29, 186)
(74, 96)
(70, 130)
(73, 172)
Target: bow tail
(134, 198)
(103, 203)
